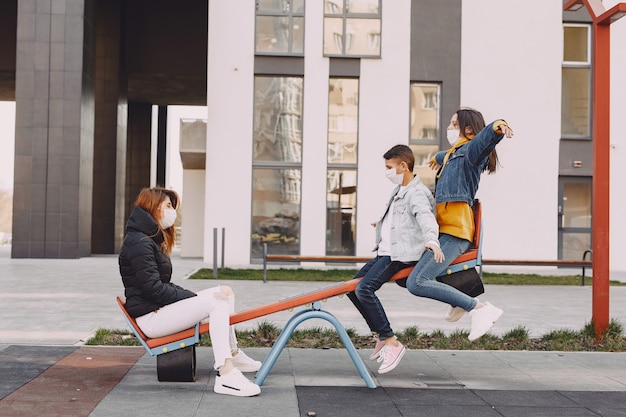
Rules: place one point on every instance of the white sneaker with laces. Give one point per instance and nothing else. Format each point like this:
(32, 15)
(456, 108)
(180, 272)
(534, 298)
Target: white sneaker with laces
(234, 383)
(483, 319)
(245, 363)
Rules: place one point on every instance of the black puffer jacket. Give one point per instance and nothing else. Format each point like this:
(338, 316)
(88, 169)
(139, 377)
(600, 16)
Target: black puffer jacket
(146, 271)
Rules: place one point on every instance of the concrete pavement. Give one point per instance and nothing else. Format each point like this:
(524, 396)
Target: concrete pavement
(50, 307)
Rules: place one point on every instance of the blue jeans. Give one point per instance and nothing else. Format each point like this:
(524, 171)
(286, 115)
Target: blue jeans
(375, 273)
(422, 282)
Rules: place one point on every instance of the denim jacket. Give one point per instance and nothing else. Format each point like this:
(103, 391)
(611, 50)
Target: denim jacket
(460, 176)
(413, 224)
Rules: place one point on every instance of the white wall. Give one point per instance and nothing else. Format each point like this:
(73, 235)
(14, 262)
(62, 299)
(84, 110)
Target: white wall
(511, 69)
(314, 136)
(618, 147)
(383, 117)
(230, 82)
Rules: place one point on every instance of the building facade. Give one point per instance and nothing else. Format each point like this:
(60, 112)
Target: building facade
(301, 100)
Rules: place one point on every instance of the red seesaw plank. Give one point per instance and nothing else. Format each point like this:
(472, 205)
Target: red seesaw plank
(305, 298)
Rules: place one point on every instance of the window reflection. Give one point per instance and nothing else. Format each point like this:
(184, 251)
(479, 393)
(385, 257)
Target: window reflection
(276, 211)
(341, 212)
(278, 119)
(425, 112)
(343, 120)
(352, 28)
(280, 27)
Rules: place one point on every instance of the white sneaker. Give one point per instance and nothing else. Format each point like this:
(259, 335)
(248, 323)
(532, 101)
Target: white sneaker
(245, 363)
(234, 383)
(455, 313)
(483, 319)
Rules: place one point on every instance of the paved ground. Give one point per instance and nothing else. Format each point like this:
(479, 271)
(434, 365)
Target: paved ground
(49, 307)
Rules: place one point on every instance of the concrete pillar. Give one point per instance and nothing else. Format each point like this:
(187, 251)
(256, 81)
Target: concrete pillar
(54, 129)
(138, 151)
(109, 165)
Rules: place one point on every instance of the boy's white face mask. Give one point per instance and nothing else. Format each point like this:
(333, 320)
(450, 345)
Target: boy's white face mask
(393, 177)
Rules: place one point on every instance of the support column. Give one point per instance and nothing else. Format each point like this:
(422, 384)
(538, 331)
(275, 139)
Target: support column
(161, 146)
(138, 151)
(54, 129)
(109, 170)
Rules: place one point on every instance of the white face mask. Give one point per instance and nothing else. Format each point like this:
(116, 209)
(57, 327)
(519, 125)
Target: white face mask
(393, 177)
(453, 136)
(168, 219)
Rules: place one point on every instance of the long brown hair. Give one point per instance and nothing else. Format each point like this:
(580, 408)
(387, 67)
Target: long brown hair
(473, 119)
(150, 199)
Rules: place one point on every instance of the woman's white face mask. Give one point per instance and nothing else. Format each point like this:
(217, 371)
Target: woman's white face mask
(453, 136)
(168, 219)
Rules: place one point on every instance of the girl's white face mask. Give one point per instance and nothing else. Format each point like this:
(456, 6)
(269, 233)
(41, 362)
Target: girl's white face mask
(168, 219)
(393, 177)
(453, 136)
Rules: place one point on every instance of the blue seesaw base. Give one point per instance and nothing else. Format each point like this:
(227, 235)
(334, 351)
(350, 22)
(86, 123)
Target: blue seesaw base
(314, 312)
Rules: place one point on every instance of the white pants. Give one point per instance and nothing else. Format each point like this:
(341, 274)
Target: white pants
(216, 304)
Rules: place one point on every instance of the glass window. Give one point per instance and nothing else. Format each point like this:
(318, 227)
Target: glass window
(343, 133)
(343, 120)
(352, 28)
(576, 82)
(425, 128)
(340, 212)
(277, 119)
(276, 211)
(575, 217)
(280, 27)
(277, 168)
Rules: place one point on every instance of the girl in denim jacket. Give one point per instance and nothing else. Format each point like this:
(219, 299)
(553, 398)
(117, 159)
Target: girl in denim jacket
(458, 176)
(407, 228)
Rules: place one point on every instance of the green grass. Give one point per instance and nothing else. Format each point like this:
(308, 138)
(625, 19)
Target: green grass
(518, 338)
(337, 275)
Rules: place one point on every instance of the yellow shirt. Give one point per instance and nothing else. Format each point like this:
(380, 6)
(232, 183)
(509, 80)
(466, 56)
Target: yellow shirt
(456, 218)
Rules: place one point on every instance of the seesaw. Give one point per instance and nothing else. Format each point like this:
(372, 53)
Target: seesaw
(176, 354)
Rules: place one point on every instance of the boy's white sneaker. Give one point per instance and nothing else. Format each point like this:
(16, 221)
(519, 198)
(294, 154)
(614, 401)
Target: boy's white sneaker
(234, 383)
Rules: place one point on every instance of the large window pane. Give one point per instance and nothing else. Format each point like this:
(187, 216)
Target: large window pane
(423, 155)
(575, 245)
(278, 119)
(576, 101)
(343, 120)
(576, 44)
(425, 112)
(276, 210)
(362, 37)
(272, 34)
(363, 6)
(577, 205)
(340, 212)
(280, 27)
(352, 28)
(333, 36)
